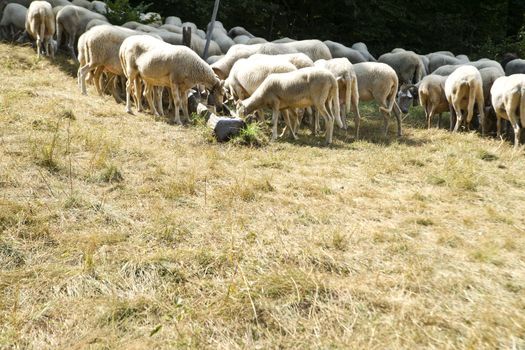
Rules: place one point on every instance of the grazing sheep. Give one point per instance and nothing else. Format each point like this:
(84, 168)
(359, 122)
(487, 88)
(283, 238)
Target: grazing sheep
(175, 67)
(463, 89)
(173, 20)
(212, 59)
(40, 25)
(314, 49)
(463, 58)
(432, 97)
(256, 40)
(82, 3)
(339, 50)
(131, 25)
(378, 81)
(516, 66)
(363, 49)
(171, 28)
(99, 7)
(437, 60)
(283, 40)
(303, 88)
(241, 39)
(13, 21)
(406, 64)
(344, 73)
(508, 99)
(73, 20)
(99, 49)
(237, 31)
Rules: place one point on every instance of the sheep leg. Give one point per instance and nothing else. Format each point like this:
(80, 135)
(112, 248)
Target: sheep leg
(158, 93)
(275, 120)
(439, 121)
(459, 118)
(176, 103)
(498, 126)
(397, 113)
(128, 96)
(98, 77)
(148, 92)
(453, 117)
(38, 46)
(329, 123)
(70, 46)
(138, 93)
(82, 72)
(357, 119)
(481, 108)
(115, 89)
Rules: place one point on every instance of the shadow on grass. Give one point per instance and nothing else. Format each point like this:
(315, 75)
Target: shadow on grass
(65, 63)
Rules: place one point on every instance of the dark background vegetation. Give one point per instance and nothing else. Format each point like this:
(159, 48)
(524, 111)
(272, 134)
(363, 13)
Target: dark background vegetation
(478, 28)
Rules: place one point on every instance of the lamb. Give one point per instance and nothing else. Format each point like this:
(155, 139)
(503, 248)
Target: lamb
(297, 89)
(343, 71)
(40, 24)
(173, 20)
(73, 21)
(13, 20)
(516, 66)
(406, 64)
(432, 97)
(339, 50)
(161, 64)
(237, 31)
(378, 81)
(463, 89)
(508, 99)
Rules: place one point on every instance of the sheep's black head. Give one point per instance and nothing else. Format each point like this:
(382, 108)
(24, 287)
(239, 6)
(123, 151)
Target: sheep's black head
(216, 96)
(406, 96)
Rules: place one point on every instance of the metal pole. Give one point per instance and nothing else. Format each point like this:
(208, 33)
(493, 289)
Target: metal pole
(210, 29)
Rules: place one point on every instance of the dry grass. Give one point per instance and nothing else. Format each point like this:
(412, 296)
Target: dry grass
(121, 231)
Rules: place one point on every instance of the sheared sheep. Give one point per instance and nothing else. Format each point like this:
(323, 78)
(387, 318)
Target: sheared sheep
(73, 20)
(40, 25)
(516, 66)
(13, 20)
(82, 3)
(283, 40)
(171, 28)
(212, 59)
(378, 81)
(99, 7)
(339, 50)
(343, 71)
(173, 20)
(256, 40)
(363, 49)
(508, 99)
(237, 31)
(175, 67)
(464, 89)
(463, 58)
(241, 39)
(94, 23)
(437, 60)
(303, 88)
(406, 64)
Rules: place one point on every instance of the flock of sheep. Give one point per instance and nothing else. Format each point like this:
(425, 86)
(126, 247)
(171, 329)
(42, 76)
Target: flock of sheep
(293, 78)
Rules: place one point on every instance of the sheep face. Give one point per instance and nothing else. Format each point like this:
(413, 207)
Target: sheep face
(406, 97)
(216, 96)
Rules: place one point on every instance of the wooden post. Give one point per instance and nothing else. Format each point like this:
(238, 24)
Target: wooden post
(210, 29)
(186, 36)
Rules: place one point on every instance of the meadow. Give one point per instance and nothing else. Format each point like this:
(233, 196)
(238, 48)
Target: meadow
(121, 231)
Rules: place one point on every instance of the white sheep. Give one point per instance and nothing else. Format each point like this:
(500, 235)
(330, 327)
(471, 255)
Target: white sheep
(99, 7)
(508, 100)
(343, 71)
(83, 3)
(463, 89)
(303, 88)
(13, 20)
(432, 97)
(379, 82)
(73, 20)
(40, 25)
(175, 67)
(314, 49)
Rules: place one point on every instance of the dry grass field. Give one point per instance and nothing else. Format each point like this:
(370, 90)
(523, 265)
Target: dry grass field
(121, 231)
